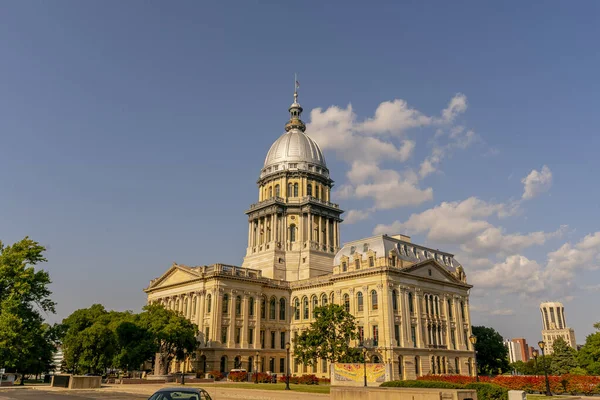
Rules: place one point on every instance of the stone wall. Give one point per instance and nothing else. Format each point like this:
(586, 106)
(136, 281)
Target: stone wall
(372, 393)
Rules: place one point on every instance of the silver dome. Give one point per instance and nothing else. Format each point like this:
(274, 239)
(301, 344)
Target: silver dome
(295, 150)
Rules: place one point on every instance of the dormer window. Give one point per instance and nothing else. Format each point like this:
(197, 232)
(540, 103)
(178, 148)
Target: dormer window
(344, 267)
(352, 249)
(415, 251)
(365, 247)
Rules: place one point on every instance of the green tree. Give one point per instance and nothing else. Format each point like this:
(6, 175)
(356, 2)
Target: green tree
(589, 354)
(564, 357)
(24, 295)
(492, 355)
(173, 334)
(135, 343)
(328, 337)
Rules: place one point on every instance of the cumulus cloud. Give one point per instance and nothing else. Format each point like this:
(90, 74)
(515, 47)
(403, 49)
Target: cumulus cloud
(457, 138)
(384, 137)
(537, 182)
(503, 312)
(354, 216)
(517, 274)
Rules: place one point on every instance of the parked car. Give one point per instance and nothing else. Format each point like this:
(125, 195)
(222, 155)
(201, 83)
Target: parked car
(180, 393)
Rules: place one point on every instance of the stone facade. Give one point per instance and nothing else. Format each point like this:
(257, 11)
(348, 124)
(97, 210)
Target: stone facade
(411, 302)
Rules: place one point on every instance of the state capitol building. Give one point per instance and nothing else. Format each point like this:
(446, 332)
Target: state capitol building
(411, 302)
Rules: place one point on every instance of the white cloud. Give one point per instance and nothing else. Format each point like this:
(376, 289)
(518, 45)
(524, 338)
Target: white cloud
(353, 216)
(380, 138)
(537, 182)
(503, 312)
(458, 138)
(449, 222)
(517, 274)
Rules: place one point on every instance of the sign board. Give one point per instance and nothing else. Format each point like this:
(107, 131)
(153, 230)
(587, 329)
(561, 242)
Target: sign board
(1, 370)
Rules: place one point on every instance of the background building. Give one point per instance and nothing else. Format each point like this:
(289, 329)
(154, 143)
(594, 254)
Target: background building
(411, 302)
(514, 351)
(555, 325)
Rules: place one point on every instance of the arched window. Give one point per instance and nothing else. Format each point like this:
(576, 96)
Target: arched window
(437, 305)
(263, 308)
(411, 306)
(238, 305)
(433, 370)
(292, 233)
(456, 366)
(331, 298)
(426, 304)
(347, 302)
(417, 366)
(344, 266)
(357, 263)
(270, 191)
(224, 364)
(374, 304)
(290, 191)
(375, 360)
(296, 309)
(295, 190)
(250, 363)
(449, 308)
(395, 300)
(208, 303)
(225, 303)
(462, 310)
(277, 191)
(282, 309)
(305, 311)
(309, 188)
(317, 191)
(272, 308)
(315, 304)
(323, 299)
(322, 193)
(365, 247)
(359, 301)
(251, 306)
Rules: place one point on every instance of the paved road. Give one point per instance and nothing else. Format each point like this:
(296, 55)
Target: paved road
(28, 394)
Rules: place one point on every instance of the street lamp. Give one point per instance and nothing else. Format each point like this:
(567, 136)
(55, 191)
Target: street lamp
(364, 353)
(184, 361)
(535, 356)
(473, 340)
(542, 345)
(287, 365)
(256, 372)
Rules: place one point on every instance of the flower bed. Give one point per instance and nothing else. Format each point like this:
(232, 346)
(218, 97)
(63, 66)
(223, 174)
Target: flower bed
(564, 384)
(239, 376)
(303, 380)
(485, 390)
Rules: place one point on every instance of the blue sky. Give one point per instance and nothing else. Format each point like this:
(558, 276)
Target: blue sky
(133, 134)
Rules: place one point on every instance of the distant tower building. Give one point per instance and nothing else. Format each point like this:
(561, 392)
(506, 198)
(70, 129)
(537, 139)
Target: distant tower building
(514, 351)
(524, 348)
(555, 325)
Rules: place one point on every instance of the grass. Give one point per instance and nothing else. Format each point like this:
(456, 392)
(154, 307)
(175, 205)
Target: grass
(275, 386)
(542, 396)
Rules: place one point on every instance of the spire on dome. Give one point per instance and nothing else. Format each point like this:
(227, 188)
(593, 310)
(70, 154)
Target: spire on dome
(295, 111)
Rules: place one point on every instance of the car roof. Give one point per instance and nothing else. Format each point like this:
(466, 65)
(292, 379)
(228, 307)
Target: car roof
(180, 389)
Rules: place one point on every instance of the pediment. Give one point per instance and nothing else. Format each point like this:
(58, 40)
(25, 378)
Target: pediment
(431, 269)
(174, 275)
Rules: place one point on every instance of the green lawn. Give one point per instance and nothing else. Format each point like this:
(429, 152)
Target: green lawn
(541, 396)
(275, 386)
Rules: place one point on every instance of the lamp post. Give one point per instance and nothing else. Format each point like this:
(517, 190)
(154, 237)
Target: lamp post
(364, 353)
(256, 372)
(287, 366)
(473, 340)
(542, 345)
(184, 361)
(535, 356)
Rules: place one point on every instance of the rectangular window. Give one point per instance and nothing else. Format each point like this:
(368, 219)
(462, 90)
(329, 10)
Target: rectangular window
(397, 334)
(238, 334)
(371, 262)
(262, 339)
(413, 335)
(250, 335)
(272, 364)
(223, 334)
(467, 340)
(282, 340)
(375, 335)
(344, 267)
(357, 264)
(296, 365)
(282, 365)
(324, 365)
(206, 334)
(453, 338)
(272, 341)
(361, 334)
(295, 337)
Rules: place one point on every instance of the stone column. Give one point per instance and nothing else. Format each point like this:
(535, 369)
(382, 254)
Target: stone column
(353, 309)
(200, 310)
(418, 308)
(320, 232)
(406, 319)
(258, 300)
(386, 311)
(245, 325)
(366, 309)
(249, 233)
(327, 241)
(216, 317)
(309, 229)
(459, 333)
(231, 329)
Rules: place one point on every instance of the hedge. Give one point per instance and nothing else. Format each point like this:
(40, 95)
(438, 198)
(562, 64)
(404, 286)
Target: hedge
(564, 384)
(484, 390)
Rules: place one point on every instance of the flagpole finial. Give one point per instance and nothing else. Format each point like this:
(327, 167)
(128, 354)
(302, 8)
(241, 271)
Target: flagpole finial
(295, 110)
(296, 86)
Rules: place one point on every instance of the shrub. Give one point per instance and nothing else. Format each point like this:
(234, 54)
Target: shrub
(238, 376)
(422, 384)
(308, 380)
(217, 375)
(325, 380)
(488, 391)
(262, 377)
